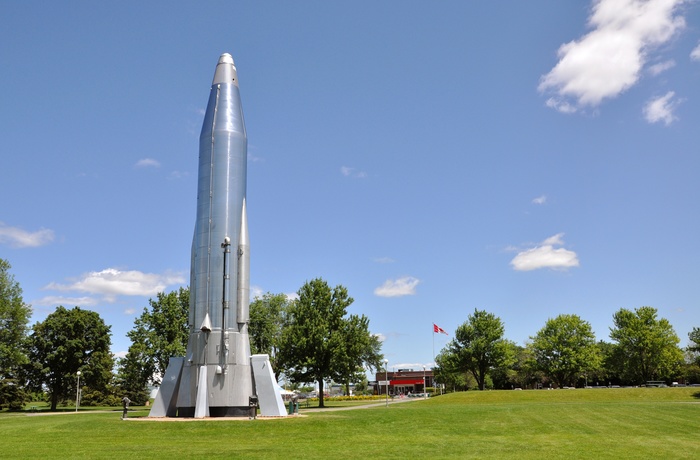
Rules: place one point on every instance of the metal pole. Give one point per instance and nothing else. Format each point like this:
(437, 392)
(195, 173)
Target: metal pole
(386, 380)
(77, 393)
(226, 245)
(425, 391)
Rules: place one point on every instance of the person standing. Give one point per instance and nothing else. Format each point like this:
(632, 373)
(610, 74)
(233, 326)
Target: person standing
(125, 406)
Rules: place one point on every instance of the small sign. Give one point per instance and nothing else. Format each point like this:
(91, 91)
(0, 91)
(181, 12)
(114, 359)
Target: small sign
(372, 382)
(383, 383)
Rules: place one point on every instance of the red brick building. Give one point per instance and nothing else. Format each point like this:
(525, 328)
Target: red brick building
(403, 382)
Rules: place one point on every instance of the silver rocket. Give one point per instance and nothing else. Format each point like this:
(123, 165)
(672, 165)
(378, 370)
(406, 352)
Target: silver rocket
(216, 377)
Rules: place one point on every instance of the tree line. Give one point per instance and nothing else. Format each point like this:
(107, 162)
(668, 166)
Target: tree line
(309, 339)
(312, 338)
(565, 353)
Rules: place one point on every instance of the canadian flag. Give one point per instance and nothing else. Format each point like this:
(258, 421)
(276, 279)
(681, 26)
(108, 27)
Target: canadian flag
(437, 328)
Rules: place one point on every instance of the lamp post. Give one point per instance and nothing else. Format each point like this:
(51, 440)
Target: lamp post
(77, 392)
(386, 380)
(425, 392)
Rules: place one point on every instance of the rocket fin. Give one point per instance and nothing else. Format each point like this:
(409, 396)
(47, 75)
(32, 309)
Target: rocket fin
(201, 408)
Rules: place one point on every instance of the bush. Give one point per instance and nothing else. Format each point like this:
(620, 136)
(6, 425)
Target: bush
(12, 395)
(98, 398)
(351, 398)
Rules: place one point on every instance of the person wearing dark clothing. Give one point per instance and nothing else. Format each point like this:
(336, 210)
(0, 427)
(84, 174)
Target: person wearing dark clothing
(125, 405)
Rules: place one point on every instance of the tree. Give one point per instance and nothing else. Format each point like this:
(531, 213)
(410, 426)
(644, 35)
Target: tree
(694, 337)
(527, 374)
(66, 342)
(507, 374)
(133, 375)
(607, 372)
(267, 315)
(317, 343)
(479, 345)
(14, 320)
(361, 348)
(565, 349)
(447, 373)
(159, 333)
(647, 347)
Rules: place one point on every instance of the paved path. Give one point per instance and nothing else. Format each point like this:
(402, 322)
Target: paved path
(363, 406)
(134, 416)
(113, 411)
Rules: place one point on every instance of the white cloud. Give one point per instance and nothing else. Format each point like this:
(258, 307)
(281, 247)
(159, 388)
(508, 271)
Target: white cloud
(608, 60)
(120, 354)
(112, 282)
(540, 200)
(412, 366)
(695, 54)
(178, 174)
(18, 238)
(256, 292)
(252, 157)
(147, 162)
(560, 105)
(129, 311)
(352, 172)
(661, 67)
(546, 255)
(556, 240)
(384, 260)
(660, 109)
(53, 301)
(398, 288)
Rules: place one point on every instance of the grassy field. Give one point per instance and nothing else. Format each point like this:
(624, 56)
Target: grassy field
(596, 423)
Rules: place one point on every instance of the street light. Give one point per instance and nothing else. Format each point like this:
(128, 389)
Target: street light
(425, 393)
(77, 393)
(386, 380)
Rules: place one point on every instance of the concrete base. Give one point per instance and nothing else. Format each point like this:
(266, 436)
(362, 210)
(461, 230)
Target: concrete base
(265, 384)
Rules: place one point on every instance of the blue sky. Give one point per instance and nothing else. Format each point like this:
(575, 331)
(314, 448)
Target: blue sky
(525, 158)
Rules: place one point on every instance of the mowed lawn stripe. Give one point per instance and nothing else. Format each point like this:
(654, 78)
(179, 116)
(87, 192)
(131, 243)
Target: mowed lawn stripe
(615, 423)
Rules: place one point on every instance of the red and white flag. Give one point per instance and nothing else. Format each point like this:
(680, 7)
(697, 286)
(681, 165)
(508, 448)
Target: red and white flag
(438, 329)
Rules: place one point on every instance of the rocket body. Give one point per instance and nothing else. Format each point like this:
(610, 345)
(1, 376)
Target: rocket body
(218, 351)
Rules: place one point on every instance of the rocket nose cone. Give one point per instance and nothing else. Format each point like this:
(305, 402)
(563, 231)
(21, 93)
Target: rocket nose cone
(225, 71)
(225, 59)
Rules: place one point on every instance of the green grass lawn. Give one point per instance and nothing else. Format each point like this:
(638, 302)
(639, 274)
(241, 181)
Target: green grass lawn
(602, 423)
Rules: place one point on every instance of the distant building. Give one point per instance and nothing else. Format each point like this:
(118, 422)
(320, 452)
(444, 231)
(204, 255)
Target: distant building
(403, 382)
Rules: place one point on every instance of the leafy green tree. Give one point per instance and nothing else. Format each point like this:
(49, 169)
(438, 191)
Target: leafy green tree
(12, 395)
(316, 344)
(527, 374)
(267, 316)
(690, 370)
(133, 376)
(362, 351)
(479, 346)
(565, 349)
(14, 320)
(607, 372)
(159, 333)
(694, 345)
(66, 342)
(447, 373)
(506, 375)
(647, 347)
